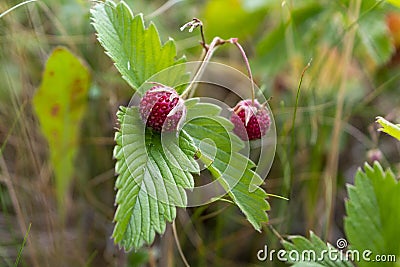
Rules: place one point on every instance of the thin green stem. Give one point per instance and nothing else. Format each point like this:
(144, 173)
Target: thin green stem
(295, 108)
(275, 232)
(22, 246)
(277, 196)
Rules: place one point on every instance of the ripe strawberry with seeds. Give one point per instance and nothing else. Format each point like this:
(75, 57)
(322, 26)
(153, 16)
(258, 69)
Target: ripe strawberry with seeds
(251, 120)
(162, 109)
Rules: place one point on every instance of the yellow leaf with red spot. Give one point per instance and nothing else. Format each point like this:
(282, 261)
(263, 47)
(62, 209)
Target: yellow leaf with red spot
(60, 103)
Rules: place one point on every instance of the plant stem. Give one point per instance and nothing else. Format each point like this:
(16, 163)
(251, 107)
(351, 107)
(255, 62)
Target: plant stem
(211, 49)
(295, 110)
(194, 23)
(203, 38)
(22, 246)
(179, 245)
(246, 61)
(330, 175)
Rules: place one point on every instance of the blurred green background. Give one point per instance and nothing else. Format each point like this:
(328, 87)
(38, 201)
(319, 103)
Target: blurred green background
(354, 76)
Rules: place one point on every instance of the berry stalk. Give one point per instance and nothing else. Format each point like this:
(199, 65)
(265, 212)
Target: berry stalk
(210, 49)
(217, 41)
(246, 61)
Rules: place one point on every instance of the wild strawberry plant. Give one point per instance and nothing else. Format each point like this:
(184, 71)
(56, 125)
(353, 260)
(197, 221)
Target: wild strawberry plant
(371, 224)
(159, 144)
(372, 208)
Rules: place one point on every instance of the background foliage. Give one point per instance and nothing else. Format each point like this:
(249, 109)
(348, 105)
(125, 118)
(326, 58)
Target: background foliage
(354, 77)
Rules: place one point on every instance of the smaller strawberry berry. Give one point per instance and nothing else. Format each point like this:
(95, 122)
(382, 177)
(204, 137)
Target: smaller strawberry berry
(251, 120)
(162, 109)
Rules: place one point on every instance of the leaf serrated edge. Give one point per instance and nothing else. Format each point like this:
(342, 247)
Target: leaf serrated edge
(256, 223)
(146, 31)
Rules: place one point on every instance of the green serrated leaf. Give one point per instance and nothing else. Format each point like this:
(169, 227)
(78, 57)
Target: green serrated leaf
(373, 213)
(198, 110)
(136, 50)
(301, 251)
(60, 103)
(371, 223)
(232, 170)
(389, 128)
(152, 176)
(177, 152)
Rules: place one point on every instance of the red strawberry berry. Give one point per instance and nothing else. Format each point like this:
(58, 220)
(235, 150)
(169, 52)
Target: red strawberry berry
(251, 121)
(162, 109)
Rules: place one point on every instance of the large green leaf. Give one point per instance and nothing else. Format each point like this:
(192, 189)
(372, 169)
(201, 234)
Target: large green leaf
(136, 50)
(373, 213)
(151, 179)
(60, 103)
(371, 225)
(313, 252)
(232, 170)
